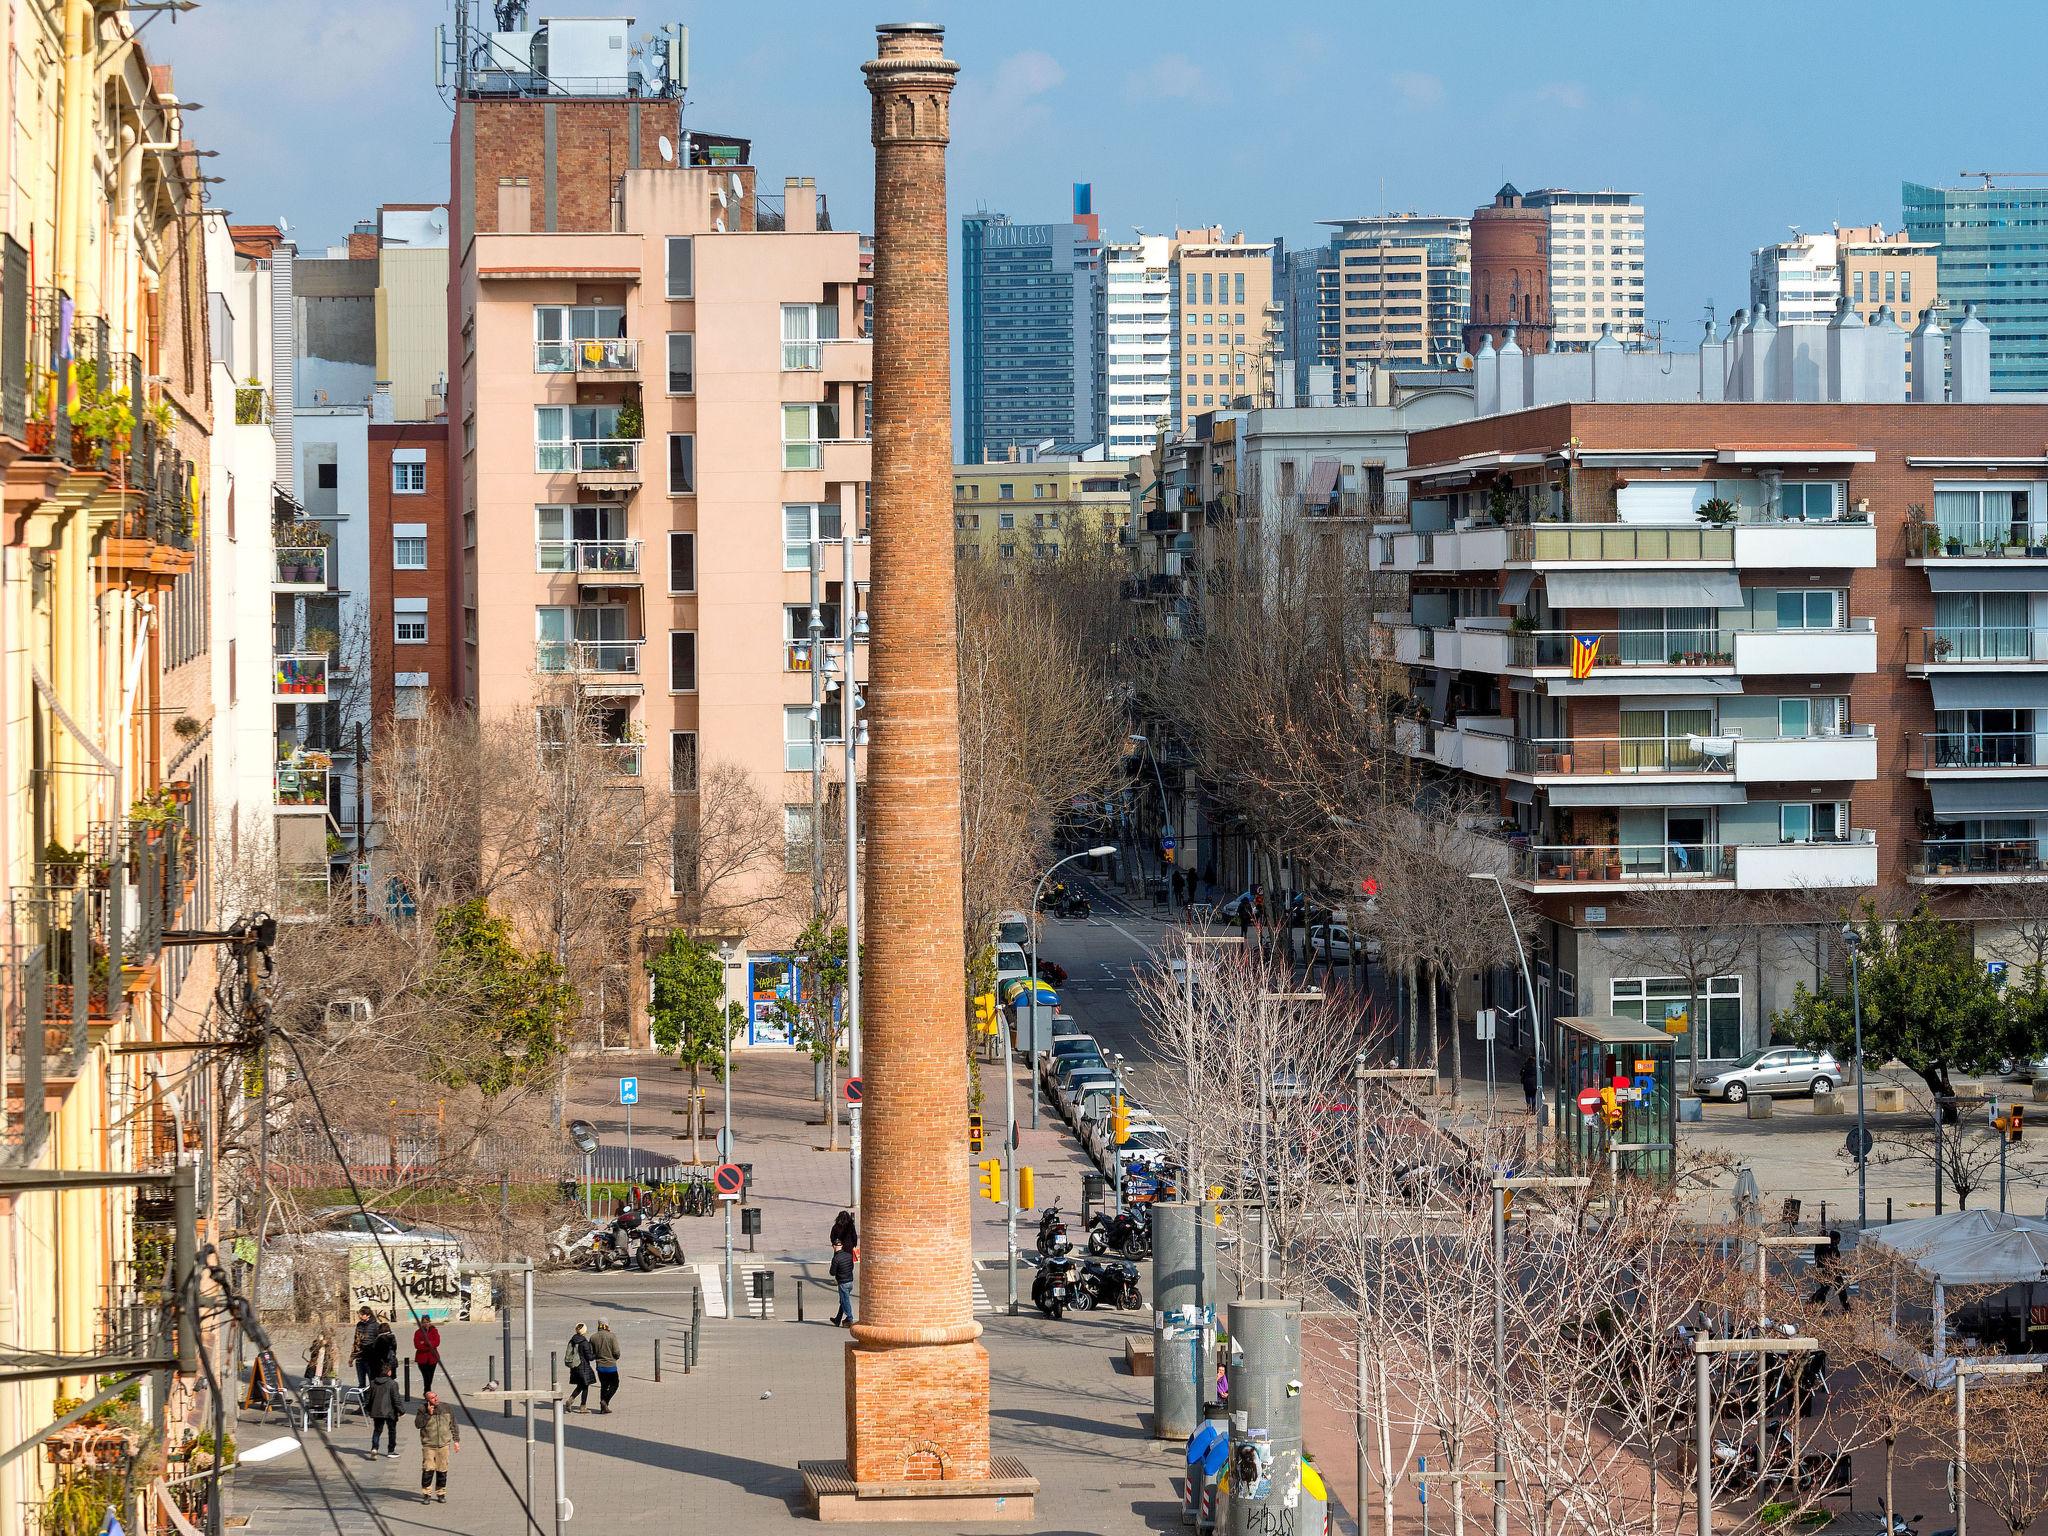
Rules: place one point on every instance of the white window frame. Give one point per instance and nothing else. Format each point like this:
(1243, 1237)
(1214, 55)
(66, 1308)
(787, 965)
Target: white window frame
(409, 472)
(818, 515)
(687, 289)
(796, 750)
(694, 665)
(403, 534)
(689, 340)
(408, 614)
(689, 486)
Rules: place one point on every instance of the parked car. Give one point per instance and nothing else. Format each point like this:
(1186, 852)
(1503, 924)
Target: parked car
(1068, 1087)
(1012, 963)
(1332, 941)
(1150, 1146)
(1772, 1070)
(2032, 1071)
(1013, 928)
(343, 1226)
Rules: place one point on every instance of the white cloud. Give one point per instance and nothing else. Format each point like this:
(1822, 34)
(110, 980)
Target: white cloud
(1024, 75)
(1565, 94)
(1171, 76)
(1419, 89)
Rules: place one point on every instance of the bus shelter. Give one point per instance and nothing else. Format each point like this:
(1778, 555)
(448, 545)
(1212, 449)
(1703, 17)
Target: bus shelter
(1639, 1062)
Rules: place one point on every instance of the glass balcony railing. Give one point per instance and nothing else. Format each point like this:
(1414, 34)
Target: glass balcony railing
(1628, 861)
(1602, 755)
(301, 677)
(1546, 542)
(587, 455)
(1982, 644)
(612, 557)
(1680, 647)
(1974, 539)
(1939, 856)
(2020, 751)
(619, 657)
(802, 357)
(587, 354)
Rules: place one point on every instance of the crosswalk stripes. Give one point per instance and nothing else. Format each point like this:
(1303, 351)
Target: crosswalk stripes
(981, 1300)
(709, 1278)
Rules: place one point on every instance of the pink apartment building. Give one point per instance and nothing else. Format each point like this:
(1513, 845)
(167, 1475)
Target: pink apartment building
(662, 567)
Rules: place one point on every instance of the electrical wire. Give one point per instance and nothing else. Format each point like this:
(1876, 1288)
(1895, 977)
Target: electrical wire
(356, 1194)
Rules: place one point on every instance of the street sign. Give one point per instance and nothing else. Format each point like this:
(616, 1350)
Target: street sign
(1589, 1101)
(853, 1090)
(1484, 1024)
(629, 1090)
(723, 1145)
(1995, 969)
(728, 1181)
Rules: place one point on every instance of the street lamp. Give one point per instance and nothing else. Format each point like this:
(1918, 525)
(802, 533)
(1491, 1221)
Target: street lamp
(725, 954)
(1704, 1449)
(1853, 941)
(1965, 1369)
(1528, 987)
(1165, 820)
(1010, 1075)
(1501, 1186)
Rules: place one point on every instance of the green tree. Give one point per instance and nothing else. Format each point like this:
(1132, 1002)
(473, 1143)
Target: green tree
(815, 1016)
(504, 1010)
(689, 1017)
(1927, 1001)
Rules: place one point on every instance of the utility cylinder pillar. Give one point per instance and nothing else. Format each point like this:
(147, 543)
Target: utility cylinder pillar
(1184, 1302)
(1265, 1417)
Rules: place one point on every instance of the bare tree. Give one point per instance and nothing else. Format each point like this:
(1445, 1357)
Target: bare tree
(1694, 937)
(2002, 1461)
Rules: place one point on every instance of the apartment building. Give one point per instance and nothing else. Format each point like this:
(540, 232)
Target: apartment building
(1033, 509)
(1596, 264)
(1403, 290)
(1227, 321)
(658, 428)
(1988, 244)
(1731, 623)
(1800, 280)
(1139, 347)
(1309, 324)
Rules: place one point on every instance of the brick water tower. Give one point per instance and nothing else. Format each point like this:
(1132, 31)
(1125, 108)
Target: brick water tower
(1510, 274)
(917, 1375)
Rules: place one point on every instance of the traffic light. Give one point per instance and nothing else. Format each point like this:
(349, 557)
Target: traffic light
(1120, 1119)
(2015, 1124)
(992, 1178)
(1610, 1107)
(974, 1133)
(1507, 1206)
(984, 1013)
(1025, 1191)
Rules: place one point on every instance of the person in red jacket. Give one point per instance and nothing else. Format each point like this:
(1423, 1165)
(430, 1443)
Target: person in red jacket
(426, 1352)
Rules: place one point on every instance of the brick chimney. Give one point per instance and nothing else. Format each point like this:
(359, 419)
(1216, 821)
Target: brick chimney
(917, 1383)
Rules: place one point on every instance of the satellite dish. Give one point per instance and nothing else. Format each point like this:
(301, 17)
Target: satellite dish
(668, 150)
(437, 221)
(283, 224)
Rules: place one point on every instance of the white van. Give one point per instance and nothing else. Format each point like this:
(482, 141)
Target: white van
(1011, 961)
(1013, 928)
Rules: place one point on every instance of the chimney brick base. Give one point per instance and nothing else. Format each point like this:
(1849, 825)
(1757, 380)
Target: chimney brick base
(917, 1413)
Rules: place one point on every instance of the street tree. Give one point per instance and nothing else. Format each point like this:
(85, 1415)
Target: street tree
(689, 1018)
(814, 1012)
(1694, 937)
(507, 1006)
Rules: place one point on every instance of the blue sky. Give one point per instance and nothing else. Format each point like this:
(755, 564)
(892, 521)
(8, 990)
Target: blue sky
(1733, 120)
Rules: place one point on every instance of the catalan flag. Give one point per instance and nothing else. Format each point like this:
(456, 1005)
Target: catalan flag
(1585, 653)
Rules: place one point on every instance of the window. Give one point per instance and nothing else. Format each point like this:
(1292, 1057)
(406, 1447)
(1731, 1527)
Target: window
(409, 696)
(408, 546)
(1654, 999)
(409, 472)
(796, 742)
(682, 661)
(1905, 287)
(682, 363)
(682, 562)
(681, 267)
(1819, 821)
(600, 531)
(1804, 716)
(571, 337)
(803, 428)
(570, 437)
(682, 762)
(327, 476)
(803, 523)
(1006, 493)
(796, 833)
(409, 620)
(1811, 501)
(682, 464)
(1806, 610)
(1006, 519)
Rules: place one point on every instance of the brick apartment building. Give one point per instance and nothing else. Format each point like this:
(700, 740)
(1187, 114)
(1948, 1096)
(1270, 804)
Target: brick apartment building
(413, 570)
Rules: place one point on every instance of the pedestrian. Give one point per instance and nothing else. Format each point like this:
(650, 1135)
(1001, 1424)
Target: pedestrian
(320, 1355)
(582, 1374)
(383, 1350)
(359, 1346)
(844, 1232)
(1244, 916)
(842, 1276)
(426, 1352)
(604, 1354)
(439, 1434)
(1529, 1080)
(384, 1407)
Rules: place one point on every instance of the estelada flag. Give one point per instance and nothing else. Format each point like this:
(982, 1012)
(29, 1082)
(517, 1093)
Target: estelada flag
(1585, 651)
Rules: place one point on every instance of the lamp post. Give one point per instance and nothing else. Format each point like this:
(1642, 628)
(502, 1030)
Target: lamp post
(1853, 941)
(1359, 1065)
(725, 953)
(1165, 819)
(1965, 1369)
(1528, 988)
(1704, 1449)
(1501, 1187)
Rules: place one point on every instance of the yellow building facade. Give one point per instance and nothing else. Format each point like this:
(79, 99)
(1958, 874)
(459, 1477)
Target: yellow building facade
(1035, 510)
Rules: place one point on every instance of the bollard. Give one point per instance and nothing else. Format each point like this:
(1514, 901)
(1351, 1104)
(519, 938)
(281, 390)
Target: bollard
(799, 1303)
(505, 1317)
(553, 1384)
(491, 1371)
(408, 1379)
(657, 1360)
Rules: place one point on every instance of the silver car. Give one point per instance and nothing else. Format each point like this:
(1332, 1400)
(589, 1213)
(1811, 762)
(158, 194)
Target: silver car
(1770, 1070)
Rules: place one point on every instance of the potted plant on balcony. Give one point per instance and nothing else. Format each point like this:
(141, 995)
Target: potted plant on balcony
(102, 417)
(632, 420)
(155, 813)
(1716, 512)
(1940, 647)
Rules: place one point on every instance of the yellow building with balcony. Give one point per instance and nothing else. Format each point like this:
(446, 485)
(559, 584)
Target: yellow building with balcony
(1037, 509)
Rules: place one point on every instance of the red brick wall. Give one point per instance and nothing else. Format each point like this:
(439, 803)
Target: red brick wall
(437, 657)
(591, 151)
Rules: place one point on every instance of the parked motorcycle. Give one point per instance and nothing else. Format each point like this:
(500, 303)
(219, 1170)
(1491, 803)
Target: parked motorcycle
(1057, 1284)
(607, 1251)
(1052, 1231)
(1128, 1233)
(1070, 903)
(659, 1245)
(1109, 1283)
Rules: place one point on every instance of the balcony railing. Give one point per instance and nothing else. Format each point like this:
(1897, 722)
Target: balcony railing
(1628, 861)
(301, 787)
(589, 454)
(607, 557)
(1986, 539)
(1939, 856)
(1604, 755)
(588, 354)
(1546, 542)
(300, 677)
(802, 356)
(300, 566)
(615, 657)
(1680, 647)
(1989, 645)
(2020, 751)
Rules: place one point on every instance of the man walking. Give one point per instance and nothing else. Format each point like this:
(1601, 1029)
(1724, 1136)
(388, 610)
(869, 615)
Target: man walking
(439, 1434)
(581, 1373)
(426, 1352)
(1529, 1080)
(360, 1353)
(842, 1276)
(604, 1354)
(385, 1408)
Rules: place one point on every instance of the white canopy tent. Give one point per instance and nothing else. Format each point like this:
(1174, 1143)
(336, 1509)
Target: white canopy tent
(1964, 1248)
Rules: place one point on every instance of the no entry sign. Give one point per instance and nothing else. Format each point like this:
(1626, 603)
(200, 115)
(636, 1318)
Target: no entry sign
(1589, 1101)
(728, 1181)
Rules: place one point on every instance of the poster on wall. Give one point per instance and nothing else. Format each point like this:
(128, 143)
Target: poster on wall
(429, 1285)
(770, 980)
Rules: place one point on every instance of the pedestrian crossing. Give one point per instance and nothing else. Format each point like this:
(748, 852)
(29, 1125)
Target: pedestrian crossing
(711, 1280)
(711, 1277)
(981, 1297)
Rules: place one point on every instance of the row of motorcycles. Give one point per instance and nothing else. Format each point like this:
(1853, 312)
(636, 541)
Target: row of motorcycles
(1064, 901)
(632, 1242)
(1065, 1280)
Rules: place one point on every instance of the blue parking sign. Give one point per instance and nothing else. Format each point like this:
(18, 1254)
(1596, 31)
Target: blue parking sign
(629, 1090)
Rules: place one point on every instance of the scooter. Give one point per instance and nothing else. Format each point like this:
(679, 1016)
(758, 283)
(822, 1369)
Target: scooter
(1110, 1283)
(606, 1251)
(1057, 1284)
(1070, 903)
(658, 1245)
(1052, 1231)
(1128, 1233)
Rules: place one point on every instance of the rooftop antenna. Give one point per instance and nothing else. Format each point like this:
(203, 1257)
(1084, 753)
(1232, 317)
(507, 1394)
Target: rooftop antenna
(2009, 175)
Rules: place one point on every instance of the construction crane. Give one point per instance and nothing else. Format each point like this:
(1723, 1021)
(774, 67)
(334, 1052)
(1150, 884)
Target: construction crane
(1989, 176)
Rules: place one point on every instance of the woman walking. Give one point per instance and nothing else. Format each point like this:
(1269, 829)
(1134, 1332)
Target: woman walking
(582, 1373)
(426, 1352)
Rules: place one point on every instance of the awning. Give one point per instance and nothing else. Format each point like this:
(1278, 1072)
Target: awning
(2004, 578)
(1439, 694)
(1991, 690)
(1520, 793)
(1580, 688)
(1643, 589)
(1648, 794)
(1794, 453)
(1516, 592)
(1955, 799)
(1322, 479)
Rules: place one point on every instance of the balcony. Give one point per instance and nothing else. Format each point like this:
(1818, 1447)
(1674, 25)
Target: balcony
(1846, 757)
(604, 356)
(802, 356)
(300, 677)
(1974, 648)
(1807, 652)
(609, 658)
(602, 562)
(594, 461)
(1980, 754)
(1479, 746)
(1541, 544)
(846, 459)
(1713, 757)
(300, 568)
(301, 787)
(847, 360)
(1745, 652)
(1832, 864)
(1975, 860)
(1765, 544)
(2002, 542)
